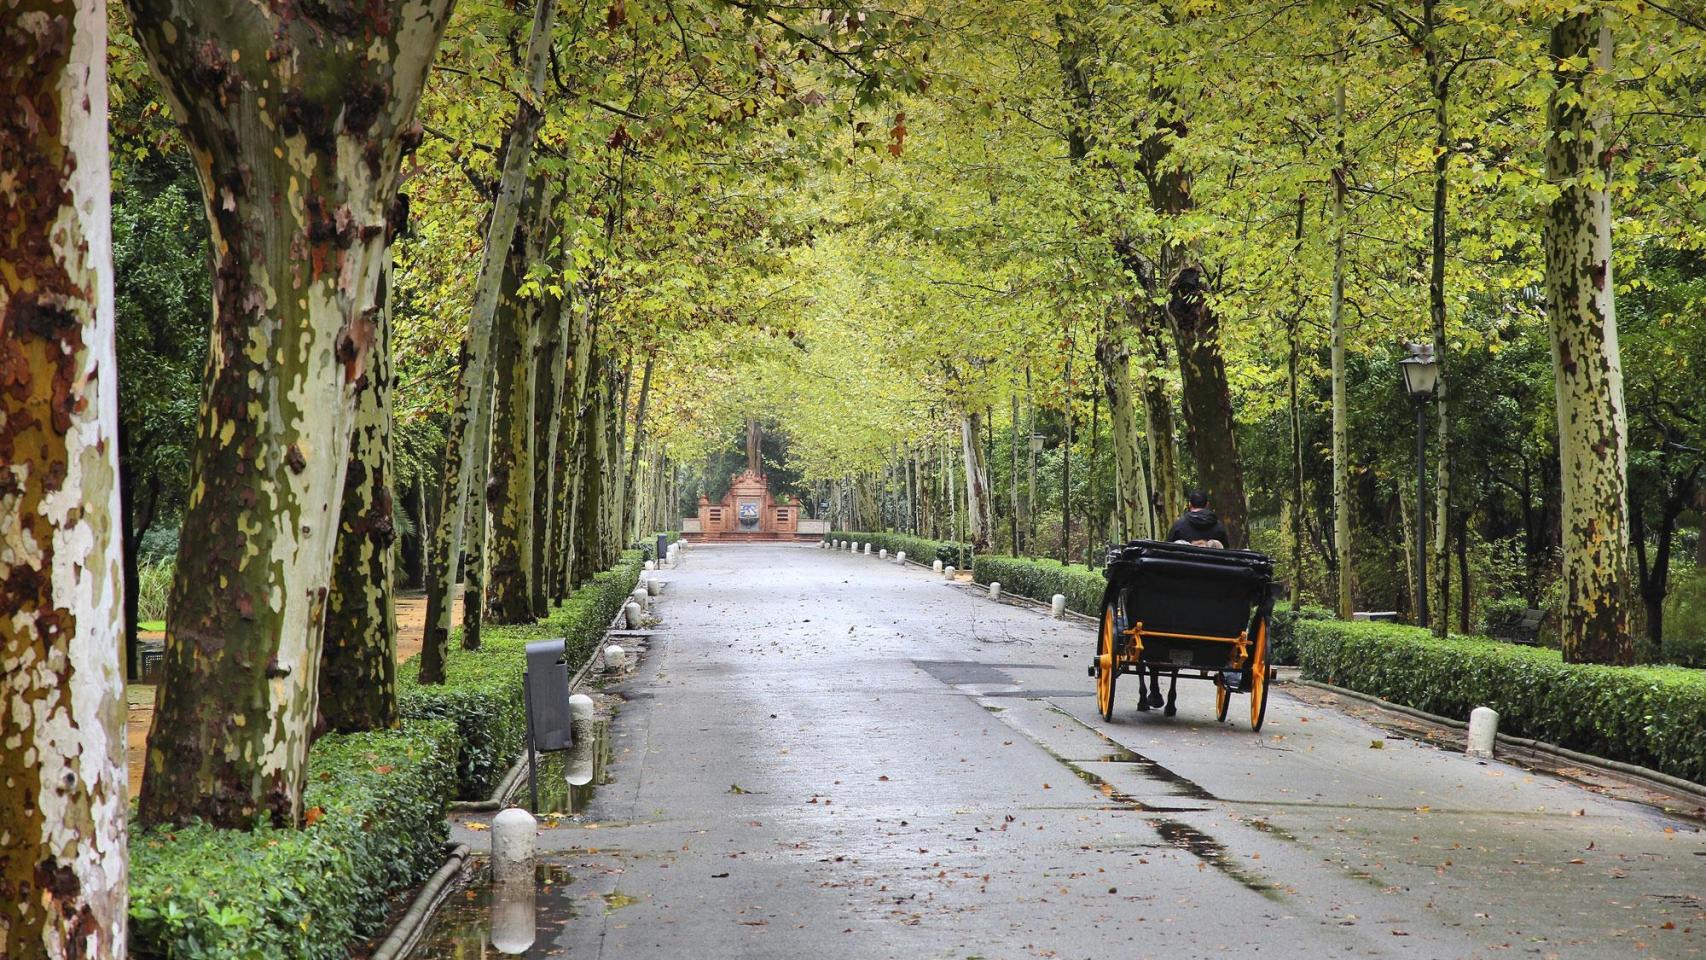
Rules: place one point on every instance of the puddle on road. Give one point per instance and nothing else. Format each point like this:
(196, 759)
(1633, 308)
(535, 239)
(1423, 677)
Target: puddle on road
(569, 778)
(517, 919)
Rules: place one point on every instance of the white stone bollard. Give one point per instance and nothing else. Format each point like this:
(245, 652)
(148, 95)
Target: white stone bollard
(995, 590)
(651, 565)
(615, 658)
(948, 573)
(900, 558)
(883, 554)
(641, 597)
(636, 616)
(581, 711)
(867, 549)
(654, 587)
(513, 831)
(1483, 731)
(1057, 606)
(583, 748)
(936, 566)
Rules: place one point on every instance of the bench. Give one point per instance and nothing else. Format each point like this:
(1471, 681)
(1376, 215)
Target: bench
(1518, 626)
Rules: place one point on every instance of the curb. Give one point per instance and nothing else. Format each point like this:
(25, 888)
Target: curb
(412, 923)
(1654, 778)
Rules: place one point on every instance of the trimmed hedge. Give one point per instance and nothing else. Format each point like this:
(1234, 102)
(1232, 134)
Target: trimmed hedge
(1653, 716)
(1040, 579)
(201, 892)
(482, 692)
(1282, 629)
(917, 548)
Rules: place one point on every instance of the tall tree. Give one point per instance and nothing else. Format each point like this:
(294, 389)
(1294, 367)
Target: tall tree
(1586, 362)
(62, 707)
(509, 483)
(1336, 320)
(358, 663)
(298, 157)
(473, 388)
(1132, 498)
(977, 479)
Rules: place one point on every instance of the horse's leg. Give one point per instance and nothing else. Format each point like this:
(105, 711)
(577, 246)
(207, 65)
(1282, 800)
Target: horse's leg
(1173, 695)
(1142, 689)
(1155, 687)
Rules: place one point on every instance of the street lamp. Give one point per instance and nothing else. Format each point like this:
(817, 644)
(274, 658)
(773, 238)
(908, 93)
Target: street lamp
(1036, 443)
(1421, 377)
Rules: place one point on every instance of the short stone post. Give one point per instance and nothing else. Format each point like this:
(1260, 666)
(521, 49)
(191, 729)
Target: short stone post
(883, 554)
(1483, 731)
(867, 548)
(1057, 606)
(936, 566)
(654, 587)
(640, 596)
(636, 616)
(513, 833)
(651, 565)
(584, 745)
(948, 573)
(615, 658)
(900, 558)
(995, 590)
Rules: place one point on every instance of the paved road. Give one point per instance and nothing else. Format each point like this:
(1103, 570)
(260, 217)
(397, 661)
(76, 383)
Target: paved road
(824, 755)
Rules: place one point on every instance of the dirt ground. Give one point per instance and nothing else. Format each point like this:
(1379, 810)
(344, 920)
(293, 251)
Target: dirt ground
(411, 629)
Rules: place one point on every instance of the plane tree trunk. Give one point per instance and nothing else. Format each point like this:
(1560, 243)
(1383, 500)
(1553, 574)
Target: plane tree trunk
(62, 706)
(298, 159)
(1587, 364)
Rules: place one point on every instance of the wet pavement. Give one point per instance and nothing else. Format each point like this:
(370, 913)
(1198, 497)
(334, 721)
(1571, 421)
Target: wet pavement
(825, 755)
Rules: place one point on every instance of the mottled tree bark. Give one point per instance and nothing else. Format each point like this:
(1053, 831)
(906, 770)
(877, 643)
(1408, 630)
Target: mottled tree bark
(62, 706)
(473, 390)
(509, 484)
(550, 368)
(1341, 417)
(1132, 498)
(298, 116)
(358, 663)
(574, 442)
(1168, 495)
(595, 464)
(1439, 85)
(633, 494)
(444, 561)
(1586, 362)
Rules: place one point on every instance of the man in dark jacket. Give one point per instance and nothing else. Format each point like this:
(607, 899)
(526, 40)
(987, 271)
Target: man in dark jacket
(1199, 525)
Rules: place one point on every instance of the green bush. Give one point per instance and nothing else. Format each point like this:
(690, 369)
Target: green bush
(1282, 640)
(918, 549)
(1685, 620)
(1040, 579)
(153, 585)
(377, 802)
(482, 690)
(1651, 716)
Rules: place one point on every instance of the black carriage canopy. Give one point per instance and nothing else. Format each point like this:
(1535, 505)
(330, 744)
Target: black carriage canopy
(1179, 588)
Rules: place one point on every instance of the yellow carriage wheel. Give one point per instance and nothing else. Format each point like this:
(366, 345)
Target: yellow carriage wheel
(1259, 677)
(1107, 664)
(1222, 699)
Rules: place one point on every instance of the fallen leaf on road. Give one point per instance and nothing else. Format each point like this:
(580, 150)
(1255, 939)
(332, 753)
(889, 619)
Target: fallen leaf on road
(1377, 744)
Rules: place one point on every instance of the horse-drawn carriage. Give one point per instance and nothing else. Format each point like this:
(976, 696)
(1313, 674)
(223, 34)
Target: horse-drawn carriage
(1181, 610)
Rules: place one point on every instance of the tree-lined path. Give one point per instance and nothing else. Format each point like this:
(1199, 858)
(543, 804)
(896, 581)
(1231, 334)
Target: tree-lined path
(830, 756)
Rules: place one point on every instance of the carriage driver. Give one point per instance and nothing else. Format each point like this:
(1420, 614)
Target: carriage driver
(1199, 526)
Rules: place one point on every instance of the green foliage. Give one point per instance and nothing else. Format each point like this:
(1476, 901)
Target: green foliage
(376, 806)
(917, 549)
(1041, 579)
(1282, 629)
(1646, 715)
(482, 693)
(153, 585)
(1685, 620)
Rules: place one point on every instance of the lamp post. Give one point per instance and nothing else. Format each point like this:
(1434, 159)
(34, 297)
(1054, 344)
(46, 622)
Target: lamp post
(1421, 376)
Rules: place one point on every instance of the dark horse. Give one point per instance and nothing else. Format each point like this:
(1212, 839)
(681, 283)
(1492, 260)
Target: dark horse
(1150, 695)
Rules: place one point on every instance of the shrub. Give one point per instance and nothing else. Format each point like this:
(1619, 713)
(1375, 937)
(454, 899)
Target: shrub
(482, 690)
(1685, 620)
(1282, 640)
(153, 586)
(377, 805)
(1040, 579)
(1645, 715)
(917, 548)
